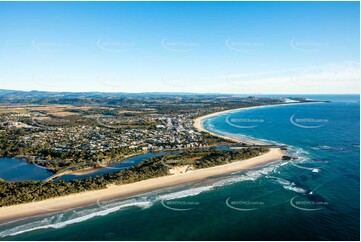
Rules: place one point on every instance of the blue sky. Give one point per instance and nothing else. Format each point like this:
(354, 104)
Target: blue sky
(223, 47)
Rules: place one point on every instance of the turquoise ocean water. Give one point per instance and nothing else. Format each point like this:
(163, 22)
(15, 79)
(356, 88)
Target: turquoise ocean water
(315, 197)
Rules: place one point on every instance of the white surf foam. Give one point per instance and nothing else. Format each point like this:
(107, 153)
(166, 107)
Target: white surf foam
(288, 185)
(105, 208)
(56, 221)
(292, 187)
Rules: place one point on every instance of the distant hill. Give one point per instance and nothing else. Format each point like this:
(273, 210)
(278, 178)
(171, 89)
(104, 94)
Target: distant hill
(82, 98)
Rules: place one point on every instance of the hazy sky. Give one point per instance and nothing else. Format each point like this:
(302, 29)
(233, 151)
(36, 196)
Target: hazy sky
(229, 47)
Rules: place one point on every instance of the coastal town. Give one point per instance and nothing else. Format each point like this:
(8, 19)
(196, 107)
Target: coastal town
(180, 120)
(61, 136)
(78, 136)
(57, 147)
(104, 135)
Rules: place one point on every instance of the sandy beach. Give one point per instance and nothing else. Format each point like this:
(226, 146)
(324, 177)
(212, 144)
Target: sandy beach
(198, 123)
(91, 197)
(52, 205)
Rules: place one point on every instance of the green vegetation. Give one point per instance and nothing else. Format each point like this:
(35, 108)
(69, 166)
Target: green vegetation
(211, 157)
(21, 192)
(65, 132)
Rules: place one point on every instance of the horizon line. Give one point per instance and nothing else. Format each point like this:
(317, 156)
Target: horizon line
(199, 93)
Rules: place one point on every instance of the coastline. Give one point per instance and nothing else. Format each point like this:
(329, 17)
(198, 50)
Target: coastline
(197, 122)
(57, 204)
(15, 212)
(199, 126)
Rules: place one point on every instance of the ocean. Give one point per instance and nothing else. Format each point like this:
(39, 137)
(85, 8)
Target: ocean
(316, 196)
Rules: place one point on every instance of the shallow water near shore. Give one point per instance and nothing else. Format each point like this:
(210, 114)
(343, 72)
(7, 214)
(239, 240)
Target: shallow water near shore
(315, 197)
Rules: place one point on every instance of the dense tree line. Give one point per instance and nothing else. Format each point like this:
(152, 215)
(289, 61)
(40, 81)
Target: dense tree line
(21, 192)
(211, 157)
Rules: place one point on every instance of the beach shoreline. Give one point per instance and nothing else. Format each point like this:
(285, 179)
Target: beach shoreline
(197, 122)
(58, 204)
(199, 126)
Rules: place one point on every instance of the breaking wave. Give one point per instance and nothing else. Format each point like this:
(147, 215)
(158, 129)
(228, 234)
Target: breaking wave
(144, 201)
(288, 185)
(57, 221)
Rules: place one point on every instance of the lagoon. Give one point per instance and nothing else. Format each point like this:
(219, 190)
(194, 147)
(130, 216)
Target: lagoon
(16, 170)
